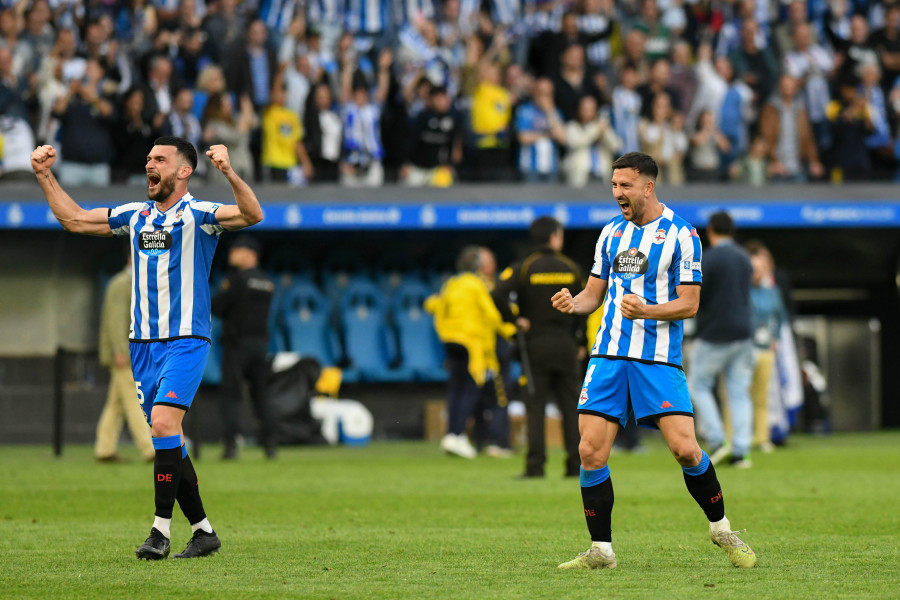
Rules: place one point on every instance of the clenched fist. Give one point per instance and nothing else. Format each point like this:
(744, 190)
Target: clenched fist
(563, 302)
(42, 158)
(218, 154)
(633, 307)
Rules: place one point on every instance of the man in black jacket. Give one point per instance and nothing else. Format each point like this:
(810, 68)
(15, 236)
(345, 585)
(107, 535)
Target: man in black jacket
(552, 340)
(243, 303)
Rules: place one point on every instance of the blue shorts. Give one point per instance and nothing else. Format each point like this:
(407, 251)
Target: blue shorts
(616, 389)
(168, 373)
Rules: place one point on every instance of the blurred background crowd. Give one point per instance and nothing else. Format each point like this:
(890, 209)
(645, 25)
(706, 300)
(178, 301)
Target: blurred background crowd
(429, 92)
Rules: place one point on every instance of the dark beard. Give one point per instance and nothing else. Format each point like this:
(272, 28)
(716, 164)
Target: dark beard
(166, 187)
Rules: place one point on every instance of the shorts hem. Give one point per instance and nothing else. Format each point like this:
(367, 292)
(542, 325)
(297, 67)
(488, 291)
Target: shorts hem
(584, 411)
(653, 417)
(170, 339)
(184, 407)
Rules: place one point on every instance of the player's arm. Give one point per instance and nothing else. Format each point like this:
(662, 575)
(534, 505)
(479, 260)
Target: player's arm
(683, 307)
(585, 302)
(247, 211)
(69, 214)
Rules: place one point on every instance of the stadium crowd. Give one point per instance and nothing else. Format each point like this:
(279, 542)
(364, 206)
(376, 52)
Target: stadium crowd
(428, 92)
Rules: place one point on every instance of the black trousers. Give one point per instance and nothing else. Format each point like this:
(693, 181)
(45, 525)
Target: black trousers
(245, 360)
(556, 377)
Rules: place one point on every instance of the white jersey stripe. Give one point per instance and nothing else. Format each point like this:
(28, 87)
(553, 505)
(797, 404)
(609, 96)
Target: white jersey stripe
(637, 288)
(143, 287)
(163, 297)
(616, 329)
(661, 352)
(187, 273)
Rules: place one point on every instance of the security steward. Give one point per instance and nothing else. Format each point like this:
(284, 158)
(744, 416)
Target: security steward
(552, 340)
(243, 302)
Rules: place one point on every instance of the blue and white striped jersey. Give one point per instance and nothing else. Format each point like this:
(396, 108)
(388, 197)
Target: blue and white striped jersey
(366, 16)
(172, 253)
(542, 156)
(650, 262)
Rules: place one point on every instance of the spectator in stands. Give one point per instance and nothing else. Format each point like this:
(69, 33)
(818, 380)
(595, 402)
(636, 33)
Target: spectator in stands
(852, 125)
(220, 126)
(552, 45)
(435, 148)
(753, 169)
(658, 35)
(707, 146)
(879, 140)
(133, 139)
(284, 157)
(753, 64)
(16, 144)
(591, 144)
(210, 80)
(658, 83)
(324, 133)
(783, 35)
(224, 26)
(886, 43)
(298, 80)
(98, 45)
(812, 64)
(633, 54)
(22, 55)
(13, 89)
(361, 161)
(135, 26)
(540, 129)
(663, 138)
(86, 121)
(39, 33)
(682, 83)
(159, 91)
(182, 123)
(626, 104)
(789, 138)
(597, 18)
(853, 51)
(192, 56)
(467, 322)
(491, 113)
(572, 82)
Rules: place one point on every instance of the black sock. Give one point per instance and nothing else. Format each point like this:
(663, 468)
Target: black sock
(167, 473)
(189, 492)
(704, 486)
(597, 497)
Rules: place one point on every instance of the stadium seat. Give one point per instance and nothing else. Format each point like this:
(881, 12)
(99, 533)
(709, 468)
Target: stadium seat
(369, 344)
(305, 315)
(212, 374)
(420, 349)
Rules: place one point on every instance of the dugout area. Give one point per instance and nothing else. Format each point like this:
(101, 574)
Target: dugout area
(844, 274)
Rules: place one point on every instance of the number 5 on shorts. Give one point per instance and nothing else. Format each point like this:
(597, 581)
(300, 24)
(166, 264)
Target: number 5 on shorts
(140, 392)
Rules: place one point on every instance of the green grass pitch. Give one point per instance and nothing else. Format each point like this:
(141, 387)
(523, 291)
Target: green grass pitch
(399, 520)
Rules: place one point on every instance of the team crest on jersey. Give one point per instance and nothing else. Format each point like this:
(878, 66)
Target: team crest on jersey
(583, 397)
(178, 215)
(630, 264)
(155, 243)
(660, 236)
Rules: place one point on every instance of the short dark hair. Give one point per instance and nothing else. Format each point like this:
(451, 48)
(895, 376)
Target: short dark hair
(469, 259)
(721, 223)
(542, 228)
(640, 162)
(182, 146)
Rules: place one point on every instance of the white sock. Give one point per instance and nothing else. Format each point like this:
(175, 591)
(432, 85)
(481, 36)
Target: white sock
(606, 547)
(204, 525)
(163, 525)
(722, 525)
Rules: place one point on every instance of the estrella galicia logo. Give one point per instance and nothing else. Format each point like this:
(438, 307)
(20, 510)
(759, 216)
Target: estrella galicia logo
(155, 243)
(630, 264)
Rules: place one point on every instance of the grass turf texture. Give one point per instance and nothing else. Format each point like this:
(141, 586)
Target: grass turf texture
(399, 520)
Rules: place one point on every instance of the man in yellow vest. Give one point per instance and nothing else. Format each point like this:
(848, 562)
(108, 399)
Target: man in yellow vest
(467, 322)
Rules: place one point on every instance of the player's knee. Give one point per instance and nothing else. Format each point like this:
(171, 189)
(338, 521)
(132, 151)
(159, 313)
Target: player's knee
(592, 456)
(687, 453)
(164, 426)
